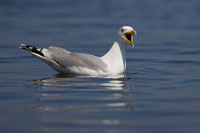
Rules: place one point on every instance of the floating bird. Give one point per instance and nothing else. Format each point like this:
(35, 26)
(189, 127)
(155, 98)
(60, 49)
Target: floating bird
(64, 61)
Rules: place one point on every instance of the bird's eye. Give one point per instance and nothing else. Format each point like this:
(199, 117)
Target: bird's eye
(122, 30)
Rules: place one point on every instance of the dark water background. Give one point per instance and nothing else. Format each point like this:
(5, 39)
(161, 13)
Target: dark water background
(163, 95)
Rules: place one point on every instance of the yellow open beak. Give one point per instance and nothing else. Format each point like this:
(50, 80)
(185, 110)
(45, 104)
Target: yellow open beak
(128, 36)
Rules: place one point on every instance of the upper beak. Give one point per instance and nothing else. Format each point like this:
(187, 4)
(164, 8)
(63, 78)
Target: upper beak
(128, 36)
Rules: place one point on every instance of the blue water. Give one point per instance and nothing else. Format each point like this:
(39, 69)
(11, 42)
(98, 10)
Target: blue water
(161, 95)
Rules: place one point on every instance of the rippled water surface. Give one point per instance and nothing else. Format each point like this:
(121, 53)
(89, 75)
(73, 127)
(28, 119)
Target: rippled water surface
(161, 93)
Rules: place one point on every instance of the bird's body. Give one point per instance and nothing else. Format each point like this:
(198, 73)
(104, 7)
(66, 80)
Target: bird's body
(64, 61)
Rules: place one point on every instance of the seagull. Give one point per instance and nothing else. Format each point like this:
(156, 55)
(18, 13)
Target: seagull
(64, 61)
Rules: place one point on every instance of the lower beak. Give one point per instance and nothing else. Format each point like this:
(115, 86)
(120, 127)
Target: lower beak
(132, 43)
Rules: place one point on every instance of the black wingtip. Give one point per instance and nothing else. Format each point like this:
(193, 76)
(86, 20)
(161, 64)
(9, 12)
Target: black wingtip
(31, 49)
(25, 47)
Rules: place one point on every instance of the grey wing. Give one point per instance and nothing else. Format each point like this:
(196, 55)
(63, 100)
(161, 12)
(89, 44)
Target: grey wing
(67, 59)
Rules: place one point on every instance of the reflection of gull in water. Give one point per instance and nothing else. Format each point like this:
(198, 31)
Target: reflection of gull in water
(115, 85)
(72, 100)
(114, 82)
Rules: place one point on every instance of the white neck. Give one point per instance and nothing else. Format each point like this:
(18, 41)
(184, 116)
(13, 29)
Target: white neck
(115, 58)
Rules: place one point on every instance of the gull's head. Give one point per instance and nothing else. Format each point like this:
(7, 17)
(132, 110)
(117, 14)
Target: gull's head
(126, 34)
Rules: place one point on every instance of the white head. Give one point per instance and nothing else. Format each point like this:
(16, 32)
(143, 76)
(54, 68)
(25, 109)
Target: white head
(126, 35)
